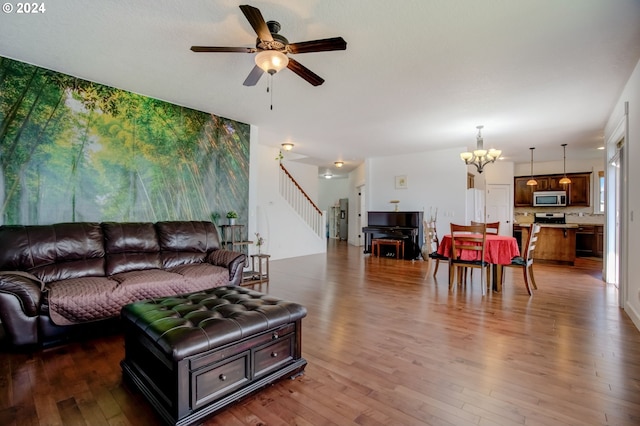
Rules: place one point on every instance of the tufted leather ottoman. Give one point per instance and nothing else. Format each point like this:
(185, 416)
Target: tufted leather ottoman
(194, 354)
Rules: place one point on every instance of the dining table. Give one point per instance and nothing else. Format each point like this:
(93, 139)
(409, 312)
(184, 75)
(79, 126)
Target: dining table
(499, 250)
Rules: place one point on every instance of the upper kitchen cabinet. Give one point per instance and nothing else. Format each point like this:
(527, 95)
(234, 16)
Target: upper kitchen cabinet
(578, 191)
(523, 196)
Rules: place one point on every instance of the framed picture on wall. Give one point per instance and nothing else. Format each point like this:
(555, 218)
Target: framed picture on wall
(401, 182)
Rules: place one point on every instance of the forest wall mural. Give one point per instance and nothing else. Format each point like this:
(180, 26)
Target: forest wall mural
(72, 150)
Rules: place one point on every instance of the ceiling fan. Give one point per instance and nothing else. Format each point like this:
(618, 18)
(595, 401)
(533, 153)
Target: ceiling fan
(272, 49)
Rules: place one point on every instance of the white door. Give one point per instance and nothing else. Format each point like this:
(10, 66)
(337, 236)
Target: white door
(499, 207)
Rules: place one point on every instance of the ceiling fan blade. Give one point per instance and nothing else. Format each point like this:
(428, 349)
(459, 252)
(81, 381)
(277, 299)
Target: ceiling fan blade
(253, 76)
(305, 72)
(222, 49)
(324, 45)
(257, 22)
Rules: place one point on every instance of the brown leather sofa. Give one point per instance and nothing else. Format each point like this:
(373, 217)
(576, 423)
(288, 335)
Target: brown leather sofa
(56, 279)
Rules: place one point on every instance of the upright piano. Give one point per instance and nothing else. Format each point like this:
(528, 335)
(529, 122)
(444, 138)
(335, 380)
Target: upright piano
(397, 225)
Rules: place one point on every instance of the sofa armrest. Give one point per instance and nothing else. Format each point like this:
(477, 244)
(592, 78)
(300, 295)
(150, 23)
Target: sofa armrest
(20, 297)
(26, 287)
(233, 260)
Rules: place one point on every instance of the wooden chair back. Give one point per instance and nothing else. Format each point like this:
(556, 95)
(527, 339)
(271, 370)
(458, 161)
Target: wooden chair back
(492, 227)
(468, 237)
(530, 245)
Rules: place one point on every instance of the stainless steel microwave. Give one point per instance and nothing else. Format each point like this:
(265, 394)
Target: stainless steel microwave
(550, 198)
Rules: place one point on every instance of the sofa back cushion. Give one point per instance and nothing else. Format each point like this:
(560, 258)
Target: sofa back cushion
(183, 242)
(53, 252)
(130, 246)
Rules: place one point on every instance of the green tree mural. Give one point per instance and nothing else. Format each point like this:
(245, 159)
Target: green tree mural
(73, 150)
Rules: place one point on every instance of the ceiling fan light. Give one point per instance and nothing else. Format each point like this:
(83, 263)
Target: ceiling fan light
(271, 61)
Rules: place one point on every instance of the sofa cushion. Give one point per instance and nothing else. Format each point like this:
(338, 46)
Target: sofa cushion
(130, 237)
(80, 300)
(130, 247)
(187, 236)
(53, 252)
(203, 275)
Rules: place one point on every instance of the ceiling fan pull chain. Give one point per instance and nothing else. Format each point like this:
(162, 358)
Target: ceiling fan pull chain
(271, 91)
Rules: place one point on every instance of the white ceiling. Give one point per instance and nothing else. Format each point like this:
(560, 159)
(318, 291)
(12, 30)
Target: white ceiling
(417, 75)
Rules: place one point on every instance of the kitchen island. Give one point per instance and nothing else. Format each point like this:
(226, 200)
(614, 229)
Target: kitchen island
(556, 242)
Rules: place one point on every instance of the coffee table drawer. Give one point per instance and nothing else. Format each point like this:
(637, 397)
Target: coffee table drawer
(271, 356)
(222, 378)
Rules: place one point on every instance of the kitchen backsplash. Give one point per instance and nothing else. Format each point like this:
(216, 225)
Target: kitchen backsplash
(578, 215)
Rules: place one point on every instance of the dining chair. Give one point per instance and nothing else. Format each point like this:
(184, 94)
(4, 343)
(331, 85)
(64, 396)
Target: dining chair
(492, 227)
(468, 238)
(433, 243)
(526, 260)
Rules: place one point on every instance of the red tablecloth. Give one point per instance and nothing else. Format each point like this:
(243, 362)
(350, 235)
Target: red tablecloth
(499, 250)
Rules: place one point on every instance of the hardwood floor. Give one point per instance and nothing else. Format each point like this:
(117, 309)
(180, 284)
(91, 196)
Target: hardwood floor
(387, 344)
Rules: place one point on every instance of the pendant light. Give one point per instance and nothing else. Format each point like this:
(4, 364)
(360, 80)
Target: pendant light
(532, 181)
(565, 180)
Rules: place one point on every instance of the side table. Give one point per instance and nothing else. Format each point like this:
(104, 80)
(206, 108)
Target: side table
(259, 272)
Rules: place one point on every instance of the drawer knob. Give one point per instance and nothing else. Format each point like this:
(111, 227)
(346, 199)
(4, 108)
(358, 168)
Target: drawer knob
(222, 377)
(274, 354)
(274, 336)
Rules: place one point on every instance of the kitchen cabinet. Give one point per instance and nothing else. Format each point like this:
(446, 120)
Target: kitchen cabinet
(523, 195)
(578, 191)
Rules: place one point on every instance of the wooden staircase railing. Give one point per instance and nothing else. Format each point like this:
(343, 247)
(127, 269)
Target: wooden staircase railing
(301, 203)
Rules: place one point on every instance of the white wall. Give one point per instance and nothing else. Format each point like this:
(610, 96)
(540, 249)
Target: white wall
(500, 172)
(285, 233)
(435, 179)
(631, 94)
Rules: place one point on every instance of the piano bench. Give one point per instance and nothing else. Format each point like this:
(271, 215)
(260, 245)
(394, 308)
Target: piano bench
(376, 243)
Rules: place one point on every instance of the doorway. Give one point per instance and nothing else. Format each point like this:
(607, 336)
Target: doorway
(616, 180)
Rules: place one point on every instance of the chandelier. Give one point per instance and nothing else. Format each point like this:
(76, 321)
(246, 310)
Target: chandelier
(480, 157)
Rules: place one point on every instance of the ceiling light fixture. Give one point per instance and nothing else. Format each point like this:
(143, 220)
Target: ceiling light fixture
(339, 164)
(287, 146)
(328, 175)
(480, 157)
(532, 181)
(565, 180)
(271, 61)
